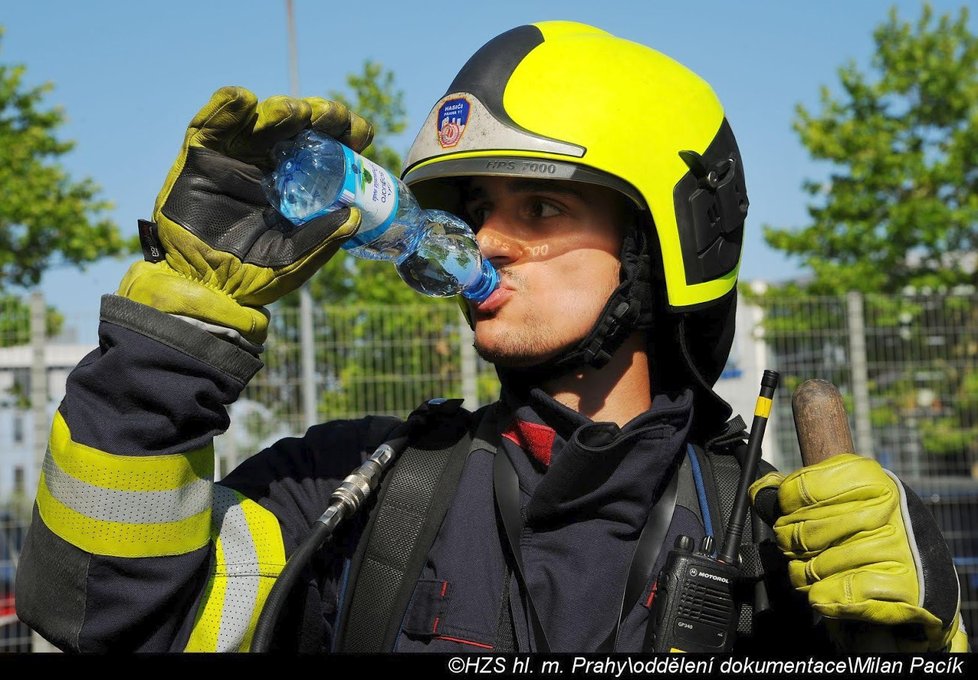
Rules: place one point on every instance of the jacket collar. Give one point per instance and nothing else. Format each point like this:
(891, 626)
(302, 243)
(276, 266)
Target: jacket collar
(570, 466)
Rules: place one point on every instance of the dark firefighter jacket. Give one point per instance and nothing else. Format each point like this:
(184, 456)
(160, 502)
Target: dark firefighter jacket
(133, 546)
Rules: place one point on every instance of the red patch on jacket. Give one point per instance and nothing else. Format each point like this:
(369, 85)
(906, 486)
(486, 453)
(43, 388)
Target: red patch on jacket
(536, 440)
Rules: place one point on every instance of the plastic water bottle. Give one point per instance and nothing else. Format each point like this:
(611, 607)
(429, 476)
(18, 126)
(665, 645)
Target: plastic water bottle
(435, 252)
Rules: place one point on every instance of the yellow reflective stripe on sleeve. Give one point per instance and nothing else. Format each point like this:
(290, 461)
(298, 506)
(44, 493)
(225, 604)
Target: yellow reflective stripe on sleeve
(129, 507)
(267, 535)
(207, 622)
(248, 558)
(121, 539)
(125, 506)
(128, 473)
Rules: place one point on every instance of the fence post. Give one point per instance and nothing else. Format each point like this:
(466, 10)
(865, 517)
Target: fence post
(39, 383)
(470, 374)
(859, 370)
(39, 411)
(308, 358)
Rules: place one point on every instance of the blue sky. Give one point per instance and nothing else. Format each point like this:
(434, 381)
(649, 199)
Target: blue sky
(130, 75)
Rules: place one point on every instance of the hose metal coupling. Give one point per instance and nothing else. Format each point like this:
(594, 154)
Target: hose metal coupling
(353, 490)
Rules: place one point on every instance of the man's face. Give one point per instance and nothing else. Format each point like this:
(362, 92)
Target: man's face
(556, 246)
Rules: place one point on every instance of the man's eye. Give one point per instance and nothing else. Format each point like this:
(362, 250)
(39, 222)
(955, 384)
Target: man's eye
(542, 209)
(477, 215)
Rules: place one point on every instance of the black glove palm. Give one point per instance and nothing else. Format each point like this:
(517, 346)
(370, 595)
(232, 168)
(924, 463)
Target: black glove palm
(227, 253)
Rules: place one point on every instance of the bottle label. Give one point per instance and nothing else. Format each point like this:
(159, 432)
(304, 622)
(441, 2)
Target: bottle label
(372, 189)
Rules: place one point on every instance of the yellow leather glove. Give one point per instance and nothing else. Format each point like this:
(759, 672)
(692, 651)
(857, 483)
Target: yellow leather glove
(865, 549)
(226, 252)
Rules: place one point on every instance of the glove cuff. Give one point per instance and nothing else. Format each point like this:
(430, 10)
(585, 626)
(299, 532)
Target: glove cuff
(228, 334)
(158, 285)
(170, 331)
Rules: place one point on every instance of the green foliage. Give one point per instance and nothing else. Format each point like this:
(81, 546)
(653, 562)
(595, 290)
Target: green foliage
(375, 97)
(898, 213)
(900, 207)
(46, 218)
(15, 321)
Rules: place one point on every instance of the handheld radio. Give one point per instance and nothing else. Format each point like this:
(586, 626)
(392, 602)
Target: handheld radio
(695, 608)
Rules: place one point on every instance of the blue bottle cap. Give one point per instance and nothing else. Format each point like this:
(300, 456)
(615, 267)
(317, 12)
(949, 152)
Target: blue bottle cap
(487, 283)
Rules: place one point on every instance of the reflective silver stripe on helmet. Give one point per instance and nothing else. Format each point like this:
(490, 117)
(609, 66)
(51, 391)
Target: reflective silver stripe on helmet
(481, 131)
(516, 166)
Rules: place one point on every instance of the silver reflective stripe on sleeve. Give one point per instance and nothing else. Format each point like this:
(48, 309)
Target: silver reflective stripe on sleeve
(125, 505)
(248, 557)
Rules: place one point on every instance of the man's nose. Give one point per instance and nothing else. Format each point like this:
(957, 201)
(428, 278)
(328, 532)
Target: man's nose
(497, 241)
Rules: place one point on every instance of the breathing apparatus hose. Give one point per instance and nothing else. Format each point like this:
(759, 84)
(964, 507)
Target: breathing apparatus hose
(348, 497)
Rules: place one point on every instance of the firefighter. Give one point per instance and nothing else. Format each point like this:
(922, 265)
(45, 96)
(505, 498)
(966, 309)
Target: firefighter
(606, 186)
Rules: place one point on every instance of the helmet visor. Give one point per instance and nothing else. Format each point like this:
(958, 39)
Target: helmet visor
(434, 189)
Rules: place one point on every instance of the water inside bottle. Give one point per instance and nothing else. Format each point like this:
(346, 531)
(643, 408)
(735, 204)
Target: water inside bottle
(446, 260)
(435, 252)
(308, 181)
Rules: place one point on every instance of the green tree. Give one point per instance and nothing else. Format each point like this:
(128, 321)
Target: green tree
(897, 213)
(46, 218)
(900, 206)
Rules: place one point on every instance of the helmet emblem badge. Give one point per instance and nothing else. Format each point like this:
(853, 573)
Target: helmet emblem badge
(452, 118)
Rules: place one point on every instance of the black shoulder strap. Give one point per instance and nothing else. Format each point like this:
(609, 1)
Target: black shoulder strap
(721, 463)
(413, 501)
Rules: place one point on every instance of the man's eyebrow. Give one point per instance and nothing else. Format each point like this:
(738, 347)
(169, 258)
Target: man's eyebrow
(544, 186)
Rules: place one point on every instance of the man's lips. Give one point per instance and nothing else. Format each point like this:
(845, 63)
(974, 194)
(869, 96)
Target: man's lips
(496, 300)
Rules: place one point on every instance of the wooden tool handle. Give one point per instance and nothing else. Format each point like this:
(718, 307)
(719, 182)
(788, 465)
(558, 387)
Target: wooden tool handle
(820, 421)
(823, 431)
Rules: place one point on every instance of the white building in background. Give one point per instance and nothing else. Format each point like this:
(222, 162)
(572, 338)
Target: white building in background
(740, 382)
(18, 465)
(18, 470)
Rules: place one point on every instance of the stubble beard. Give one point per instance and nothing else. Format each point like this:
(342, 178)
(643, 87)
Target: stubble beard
(527, 345)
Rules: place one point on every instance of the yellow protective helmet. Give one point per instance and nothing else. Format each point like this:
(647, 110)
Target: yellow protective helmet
(564, 100)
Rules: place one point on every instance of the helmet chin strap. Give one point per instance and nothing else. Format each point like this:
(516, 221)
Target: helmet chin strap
(629, 308)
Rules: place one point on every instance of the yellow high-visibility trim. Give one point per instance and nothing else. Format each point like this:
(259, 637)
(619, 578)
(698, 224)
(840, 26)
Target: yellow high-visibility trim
(763, 407)
(487, 154)
(119, 539)
(959, 641)
(127, 473)
(245, 583)
(267, 534)
(207, 623)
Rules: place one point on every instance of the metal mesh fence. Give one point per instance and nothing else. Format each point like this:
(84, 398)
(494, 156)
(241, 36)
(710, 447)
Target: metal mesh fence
(915, 361)
(907, 367)
(384, 360)
(15, 336)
